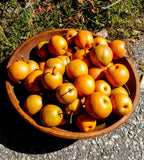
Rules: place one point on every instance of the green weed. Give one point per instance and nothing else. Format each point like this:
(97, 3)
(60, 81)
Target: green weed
(20, 19)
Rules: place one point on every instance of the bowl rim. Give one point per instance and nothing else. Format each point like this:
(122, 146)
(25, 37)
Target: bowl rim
(58, 132)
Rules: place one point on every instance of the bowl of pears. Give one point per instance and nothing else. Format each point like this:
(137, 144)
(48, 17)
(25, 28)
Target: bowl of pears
(72, 83)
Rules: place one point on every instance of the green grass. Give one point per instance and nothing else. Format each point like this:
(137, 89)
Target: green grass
(20, 21)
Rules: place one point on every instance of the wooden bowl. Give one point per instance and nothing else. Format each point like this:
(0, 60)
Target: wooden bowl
(109, 125)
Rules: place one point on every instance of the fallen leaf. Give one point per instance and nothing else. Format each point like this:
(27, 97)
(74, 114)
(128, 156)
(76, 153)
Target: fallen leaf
(135, 32)
(50, 8)
(46, 2)
(80, 1)
(103, 33)
(101, 126)
(41, 9)
(142, 82)
(30, 21)
(83, 19)
(75, 23)
(70, 17)
(91, 2)
(95, 10)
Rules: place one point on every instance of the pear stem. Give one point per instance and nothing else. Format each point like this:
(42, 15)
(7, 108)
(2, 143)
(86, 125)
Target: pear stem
(68, 91)
(53, 70)
(85, 52)
(127, 89)
(70, 57)
(71, 115)
(66, 81)
(22, 57)
(66, 61)
(63, 113)
(50, 72)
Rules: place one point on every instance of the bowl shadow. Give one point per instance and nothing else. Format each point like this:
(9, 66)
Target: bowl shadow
(16, 134)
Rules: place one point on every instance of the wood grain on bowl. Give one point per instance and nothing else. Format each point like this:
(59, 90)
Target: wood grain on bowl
(24, 50)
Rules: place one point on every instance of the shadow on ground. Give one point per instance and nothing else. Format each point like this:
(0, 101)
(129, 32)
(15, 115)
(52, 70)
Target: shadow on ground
(18, 135)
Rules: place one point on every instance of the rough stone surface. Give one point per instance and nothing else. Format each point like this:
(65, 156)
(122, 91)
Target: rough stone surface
(19, 141)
